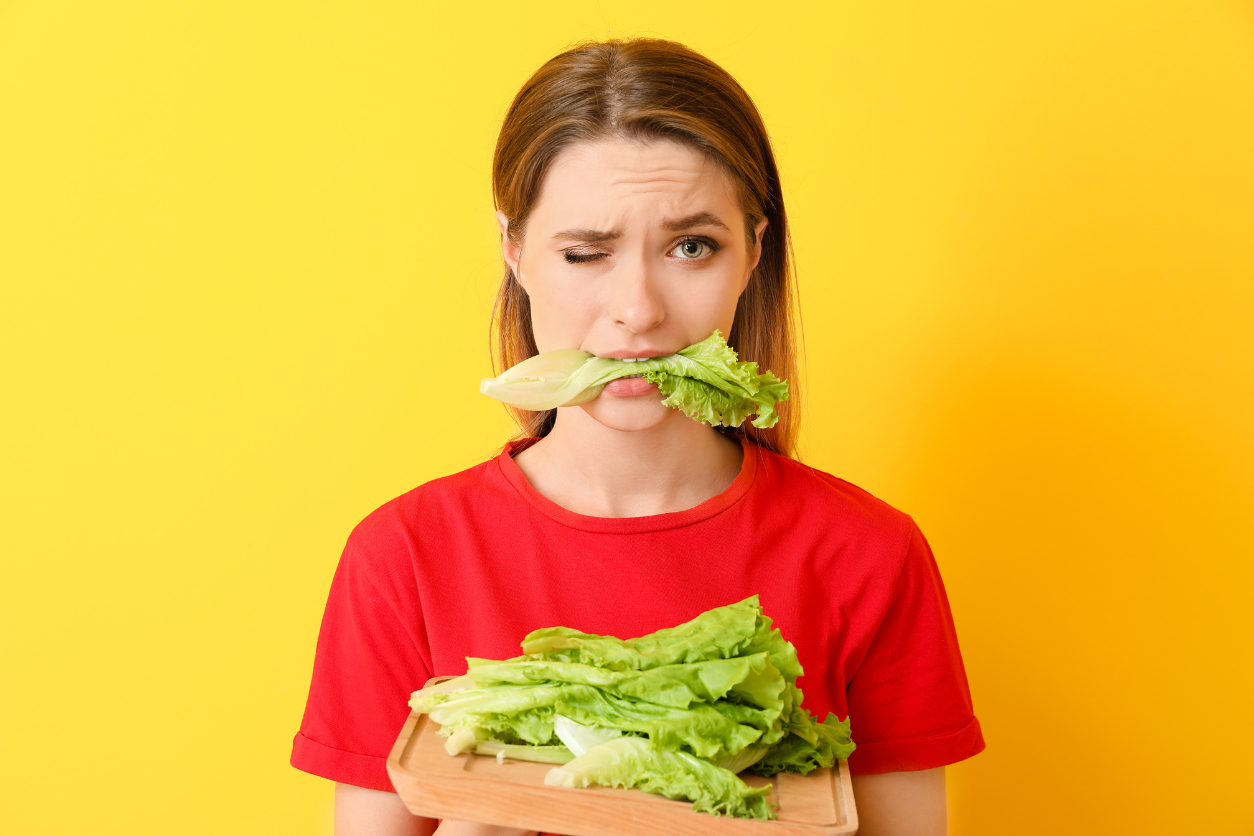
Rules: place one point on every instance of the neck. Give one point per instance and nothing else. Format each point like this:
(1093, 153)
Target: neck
(594, 470)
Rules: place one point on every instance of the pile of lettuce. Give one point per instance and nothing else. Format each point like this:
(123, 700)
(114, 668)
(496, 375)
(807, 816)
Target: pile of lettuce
(677, 712)
(705, 381)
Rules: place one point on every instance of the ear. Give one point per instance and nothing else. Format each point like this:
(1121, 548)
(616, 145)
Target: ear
(511, 252)
(756, 254)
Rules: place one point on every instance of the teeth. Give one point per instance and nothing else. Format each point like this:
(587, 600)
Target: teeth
(630, 376)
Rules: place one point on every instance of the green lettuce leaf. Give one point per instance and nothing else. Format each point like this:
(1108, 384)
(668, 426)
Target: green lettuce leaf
(630, 762)
(516, 714)
(720, 633)
(706, 381)
(526, 713)
(701, 729)
(831, 742)
(752, 678)
(719, 691)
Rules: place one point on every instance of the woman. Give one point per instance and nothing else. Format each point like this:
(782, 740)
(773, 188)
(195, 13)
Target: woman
(640, 210)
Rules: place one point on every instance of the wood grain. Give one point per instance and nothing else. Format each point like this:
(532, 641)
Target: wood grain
(475, 788)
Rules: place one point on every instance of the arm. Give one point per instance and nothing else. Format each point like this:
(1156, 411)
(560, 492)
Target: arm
(364, 812)
(901, 803)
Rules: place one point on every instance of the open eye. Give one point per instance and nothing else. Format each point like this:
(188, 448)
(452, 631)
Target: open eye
(693, 249)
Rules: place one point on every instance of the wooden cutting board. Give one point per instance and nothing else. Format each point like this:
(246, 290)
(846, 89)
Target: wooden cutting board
(476, 788)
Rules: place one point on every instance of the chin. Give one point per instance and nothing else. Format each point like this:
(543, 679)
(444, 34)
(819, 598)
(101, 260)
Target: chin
(643, 412)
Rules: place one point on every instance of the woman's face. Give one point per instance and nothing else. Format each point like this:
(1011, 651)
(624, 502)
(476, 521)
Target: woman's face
(634, 249)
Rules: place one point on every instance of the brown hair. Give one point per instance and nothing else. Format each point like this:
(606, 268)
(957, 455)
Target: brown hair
(651, 89)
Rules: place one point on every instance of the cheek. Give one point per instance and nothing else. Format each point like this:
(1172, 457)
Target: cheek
(560, 314)
(711, 304)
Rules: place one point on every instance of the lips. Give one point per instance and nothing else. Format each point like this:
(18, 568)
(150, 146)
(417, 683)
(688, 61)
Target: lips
(629, 387)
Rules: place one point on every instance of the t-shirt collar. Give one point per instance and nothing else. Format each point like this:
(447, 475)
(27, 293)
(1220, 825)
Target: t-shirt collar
(628, 525)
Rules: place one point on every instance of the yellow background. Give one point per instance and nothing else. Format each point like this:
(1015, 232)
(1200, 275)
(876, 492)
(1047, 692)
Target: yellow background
(246, 264)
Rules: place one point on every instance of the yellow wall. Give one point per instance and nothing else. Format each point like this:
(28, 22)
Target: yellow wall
(246, 262)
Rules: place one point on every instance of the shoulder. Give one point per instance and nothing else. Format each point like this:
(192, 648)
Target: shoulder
(840, 529)
(399, 527)
(815, 491)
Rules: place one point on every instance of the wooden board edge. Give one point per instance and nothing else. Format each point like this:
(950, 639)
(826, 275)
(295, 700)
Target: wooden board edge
(586, 816)
(845, 800)
(398, 748)
(412, 790)
(405, 737)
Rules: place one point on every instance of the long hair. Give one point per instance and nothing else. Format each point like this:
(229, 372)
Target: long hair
(645, 88)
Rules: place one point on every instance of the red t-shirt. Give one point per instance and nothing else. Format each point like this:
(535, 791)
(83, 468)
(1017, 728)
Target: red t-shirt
(468, 564)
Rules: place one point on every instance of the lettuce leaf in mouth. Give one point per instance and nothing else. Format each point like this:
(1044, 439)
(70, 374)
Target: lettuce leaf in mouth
(706, 381)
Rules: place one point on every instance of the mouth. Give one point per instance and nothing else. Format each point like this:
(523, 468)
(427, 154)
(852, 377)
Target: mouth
(651, 355)
(630, 386)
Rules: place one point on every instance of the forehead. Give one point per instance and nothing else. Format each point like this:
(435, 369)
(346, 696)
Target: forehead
(615, 177)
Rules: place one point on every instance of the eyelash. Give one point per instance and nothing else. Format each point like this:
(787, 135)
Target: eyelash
(576, 257)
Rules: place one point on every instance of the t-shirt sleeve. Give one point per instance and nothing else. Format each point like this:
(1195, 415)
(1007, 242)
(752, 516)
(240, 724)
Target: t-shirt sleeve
(909, 702)
(366, 665)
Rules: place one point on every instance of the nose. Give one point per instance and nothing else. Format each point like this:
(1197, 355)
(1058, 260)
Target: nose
(634, 301)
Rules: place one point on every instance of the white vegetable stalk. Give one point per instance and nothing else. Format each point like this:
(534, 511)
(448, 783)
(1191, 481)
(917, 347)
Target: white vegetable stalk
(579, 738)
(549, 380)
(464, 739)
(535, 754)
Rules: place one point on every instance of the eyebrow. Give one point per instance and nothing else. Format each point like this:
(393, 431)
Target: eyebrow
(699, 219)
(596, 236)
(588, 236)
